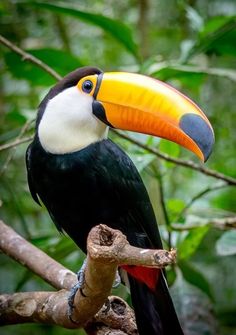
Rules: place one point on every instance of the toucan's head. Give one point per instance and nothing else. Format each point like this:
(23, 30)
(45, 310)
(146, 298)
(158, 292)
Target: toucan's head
(79, 109)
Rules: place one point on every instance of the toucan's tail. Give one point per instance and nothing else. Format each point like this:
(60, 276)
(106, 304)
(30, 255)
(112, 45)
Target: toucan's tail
(154, 309)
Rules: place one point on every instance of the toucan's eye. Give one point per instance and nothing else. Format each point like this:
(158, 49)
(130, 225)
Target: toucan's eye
(87, 86)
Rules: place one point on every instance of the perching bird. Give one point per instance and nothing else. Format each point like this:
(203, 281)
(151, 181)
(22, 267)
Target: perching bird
(84, 179)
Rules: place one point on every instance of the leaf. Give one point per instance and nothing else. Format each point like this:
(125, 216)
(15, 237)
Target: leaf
(174, 206)
(117, 29)
(168, 70)
(217, 36)
(60, 61)
(215, 24)
(15, 117)
(24, 70)
(226, 245)
(191, 242)
(195, 277)
(224, 45)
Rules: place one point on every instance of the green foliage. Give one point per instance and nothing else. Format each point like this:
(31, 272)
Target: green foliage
(116, 28)
(218, 36)
(195, 277)
(59, 60)
(174, 206)
(191, 242)
(191, 48)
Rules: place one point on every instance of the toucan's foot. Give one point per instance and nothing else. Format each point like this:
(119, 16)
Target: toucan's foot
(117, 280)
(75, 288)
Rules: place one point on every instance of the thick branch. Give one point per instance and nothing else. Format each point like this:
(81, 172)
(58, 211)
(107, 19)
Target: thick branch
(34, 259)
(107, 248)
(117, 314)
(111, 246)
(42, 307)
(50, 307)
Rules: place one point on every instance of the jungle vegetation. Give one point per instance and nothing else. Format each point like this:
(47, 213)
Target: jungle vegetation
(190, 44)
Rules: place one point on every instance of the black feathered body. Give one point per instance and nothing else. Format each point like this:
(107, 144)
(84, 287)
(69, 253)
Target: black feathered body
(100, 184)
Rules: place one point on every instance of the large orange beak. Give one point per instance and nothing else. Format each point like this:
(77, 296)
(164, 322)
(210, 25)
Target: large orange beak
(138, 103)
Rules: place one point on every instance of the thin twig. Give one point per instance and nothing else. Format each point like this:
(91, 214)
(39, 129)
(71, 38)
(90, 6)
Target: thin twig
(11, 154)
(15, 143)
(198, 196)
(30, 58)
(178, 161)
(222, 223)
(159, 176)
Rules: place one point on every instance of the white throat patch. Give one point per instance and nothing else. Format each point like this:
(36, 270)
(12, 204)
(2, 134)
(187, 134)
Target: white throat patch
(68, 123)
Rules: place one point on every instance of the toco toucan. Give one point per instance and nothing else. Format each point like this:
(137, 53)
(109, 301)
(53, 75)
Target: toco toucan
(85, 179)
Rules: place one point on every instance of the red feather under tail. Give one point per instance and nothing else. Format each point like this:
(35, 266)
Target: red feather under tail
(153, 306)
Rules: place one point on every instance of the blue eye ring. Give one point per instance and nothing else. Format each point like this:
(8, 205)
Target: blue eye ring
(87, 86)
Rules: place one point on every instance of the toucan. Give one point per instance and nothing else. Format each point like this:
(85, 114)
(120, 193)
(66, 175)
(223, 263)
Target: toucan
(84, 179)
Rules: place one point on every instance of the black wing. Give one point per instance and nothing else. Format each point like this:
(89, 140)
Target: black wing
(29, 176)
(122, 186)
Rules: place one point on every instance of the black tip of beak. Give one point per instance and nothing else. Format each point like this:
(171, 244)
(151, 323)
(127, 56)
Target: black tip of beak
(200, 132)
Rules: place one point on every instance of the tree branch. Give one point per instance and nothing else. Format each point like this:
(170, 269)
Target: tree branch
(15, 143)
(30, 58)
(11, 154)
(107, 248)
(222, 223)
(143, 26)
(111, 246)
(25, 253)
(50, 307)
(178, 161)
(41, 307)
(115, 314)
(62, 31)
(199, 195)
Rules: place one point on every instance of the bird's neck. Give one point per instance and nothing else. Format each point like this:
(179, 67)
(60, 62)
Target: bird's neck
(66, 126)
(73, 139)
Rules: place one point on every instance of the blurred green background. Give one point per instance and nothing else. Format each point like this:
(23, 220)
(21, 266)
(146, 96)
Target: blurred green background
(191, 44)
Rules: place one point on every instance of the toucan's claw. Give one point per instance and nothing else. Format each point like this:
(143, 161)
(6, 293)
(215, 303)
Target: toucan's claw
(75, 288)
(117, 280)
(71, 302)
(81, 274)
